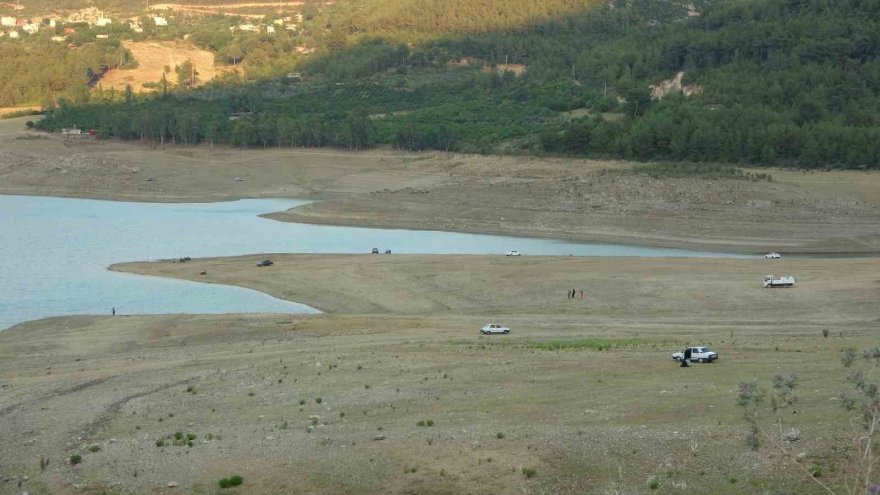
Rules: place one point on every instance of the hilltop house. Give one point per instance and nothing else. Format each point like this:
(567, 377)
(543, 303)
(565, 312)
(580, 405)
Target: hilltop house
(103, 22)
(7, 21)
(31, 28)
(13, 35)
(160, 21)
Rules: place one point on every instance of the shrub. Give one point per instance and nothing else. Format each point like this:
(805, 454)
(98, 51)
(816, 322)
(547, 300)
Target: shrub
(529, 472)
(160, 442)
(302, 402)
(94, 447)
(653, 483)
(499, 435)
(75, 458)
(319, 400)
(231, 481)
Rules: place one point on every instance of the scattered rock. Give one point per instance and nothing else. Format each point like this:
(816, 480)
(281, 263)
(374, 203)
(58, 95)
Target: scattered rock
(800, 457)
(792, 435)
(379, 437)
(172, 484)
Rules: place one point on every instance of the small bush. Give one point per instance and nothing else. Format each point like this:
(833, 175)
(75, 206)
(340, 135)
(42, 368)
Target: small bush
(178, 435)
(94, 447)
(653, 483)
(499, 435)
(529, 472)
(319, 400)
(75, 458)
(231, 481)
(160, 442)
(302, 402)
(816, 471)
(250, 393)
(44, 463)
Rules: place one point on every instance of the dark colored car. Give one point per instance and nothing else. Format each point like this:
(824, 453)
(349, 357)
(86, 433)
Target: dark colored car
(265, 263)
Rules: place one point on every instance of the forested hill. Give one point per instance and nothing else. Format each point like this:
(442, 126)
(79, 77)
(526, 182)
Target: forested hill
(773, 82)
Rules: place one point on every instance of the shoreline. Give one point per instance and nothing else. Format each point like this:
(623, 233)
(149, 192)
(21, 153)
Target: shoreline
(291, 216)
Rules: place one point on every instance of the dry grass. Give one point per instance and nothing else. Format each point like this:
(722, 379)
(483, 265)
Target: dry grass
(153, 57)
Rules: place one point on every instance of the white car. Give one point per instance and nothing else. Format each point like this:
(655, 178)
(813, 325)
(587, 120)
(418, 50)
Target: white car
(772, 256)
(494, 328)
(699, 354)
(513, 253)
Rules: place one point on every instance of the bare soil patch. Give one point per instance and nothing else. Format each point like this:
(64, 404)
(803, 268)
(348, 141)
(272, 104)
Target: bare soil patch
(722, 214)
(153, 57)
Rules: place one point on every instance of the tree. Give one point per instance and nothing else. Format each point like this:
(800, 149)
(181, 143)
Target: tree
(186, 73)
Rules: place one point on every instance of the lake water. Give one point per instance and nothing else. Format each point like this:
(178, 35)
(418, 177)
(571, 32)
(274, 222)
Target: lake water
(55, 253)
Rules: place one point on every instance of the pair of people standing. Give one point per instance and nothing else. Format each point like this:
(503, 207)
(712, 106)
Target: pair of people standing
(576, 293)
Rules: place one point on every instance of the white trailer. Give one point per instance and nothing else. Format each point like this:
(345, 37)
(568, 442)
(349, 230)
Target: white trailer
(770, 281)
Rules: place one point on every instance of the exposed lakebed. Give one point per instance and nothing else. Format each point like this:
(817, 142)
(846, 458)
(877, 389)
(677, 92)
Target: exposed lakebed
(55, 253)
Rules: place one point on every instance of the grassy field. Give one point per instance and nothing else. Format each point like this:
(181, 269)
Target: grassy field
(582, 395)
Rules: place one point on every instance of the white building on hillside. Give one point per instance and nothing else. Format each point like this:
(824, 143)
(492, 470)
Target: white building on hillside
(13, 35)
(103, 21)
(160, 21)
(7, 21)
(31, 28)
(270, 29)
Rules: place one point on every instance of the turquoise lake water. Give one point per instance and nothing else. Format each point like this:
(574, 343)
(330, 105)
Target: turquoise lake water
(55, 253)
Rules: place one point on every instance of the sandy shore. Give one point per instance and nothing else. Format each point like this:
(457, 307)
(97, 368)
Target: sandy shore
(340, 403)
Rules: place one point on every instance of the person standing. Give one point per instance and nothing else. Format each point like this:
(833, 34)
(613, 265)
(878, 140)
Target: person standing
(113, 311)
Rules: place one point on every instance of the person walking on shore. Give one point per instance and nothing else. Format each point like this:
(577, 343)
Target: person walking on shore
(113, 311)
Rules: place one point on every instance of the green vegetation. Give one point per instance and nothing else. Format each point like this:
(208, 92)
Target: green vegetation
(231, 481)
(40, 72)
(586, 344)
(75, 459)
(776, 82)
(529, 472)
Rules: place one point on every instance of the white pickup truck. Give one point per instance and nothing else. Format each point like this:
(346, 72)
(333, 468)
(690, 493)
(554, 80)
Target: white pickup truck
(770, 281)
(699, 354)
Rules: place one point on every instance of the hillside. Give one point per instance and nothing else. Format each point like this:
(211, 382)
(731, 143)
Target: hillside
(780, 82)
(153, 58)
